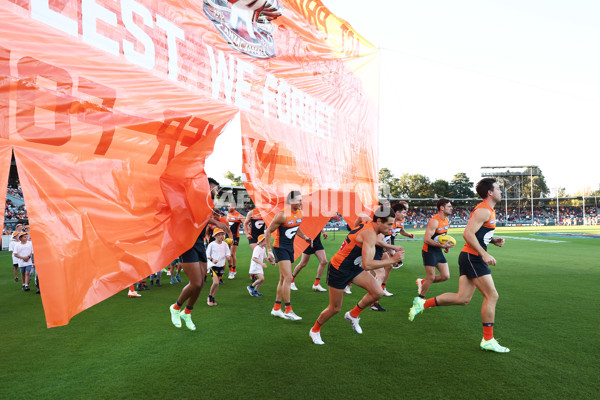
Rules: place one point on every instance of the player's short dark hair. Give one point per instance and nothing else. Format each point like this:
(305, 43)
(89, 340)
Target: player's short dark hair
(293, 195)
(212, 181)
(441, 203)
(383, 213)
(484, 186)
(399, 207)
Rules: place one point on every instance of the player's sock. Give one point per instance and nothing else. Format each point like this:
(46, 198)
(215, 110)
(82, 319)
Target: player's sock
(288, 307)
(354, 313)
(488, 331)
(430, 303)
(131, 288)
(177, 306)
(316, 327)
(234, 269)
(277, 306)
(317, 282)
(383, 285)
(293, 278)
(188, 309)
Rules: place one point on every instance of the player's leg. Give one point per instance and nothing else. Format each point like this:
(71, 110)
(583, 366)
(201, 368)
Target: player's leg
(303, 263)
(374, 292)
(485, 284)
(195, 272)
(336, 298)
(466, 288)
(432, 277)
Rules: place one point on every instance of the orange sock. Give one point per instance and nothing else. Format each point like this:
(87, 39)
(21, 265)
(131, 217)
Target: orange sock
(277, 306)
(430, 303)
(293, 278)
(317, 281)
(176, 306)
(132, 288)
(316, 327)
(288, 307)
(488, 331)
(188, 310)
(355, 312)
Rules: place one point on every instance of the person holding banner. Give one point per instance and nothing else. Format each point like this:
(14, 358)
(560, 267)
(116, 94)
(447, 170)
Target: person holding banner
(194, 266)
(285, 226)
(355, 257)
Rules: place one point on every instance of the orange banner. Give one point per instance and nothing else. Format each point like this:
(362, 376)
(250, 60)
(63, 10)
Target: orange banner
(112, 108)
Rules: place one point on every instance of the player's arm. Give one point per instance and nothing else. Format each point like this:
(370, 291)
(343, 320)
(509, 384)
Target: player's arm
(213, 221)
(369, 239)
(303, 236)
(475, 223)
(432, 225)
(362, 219)
(247, 225)
(379, 242)
(275, 223)
(498, 241)
(404, 233)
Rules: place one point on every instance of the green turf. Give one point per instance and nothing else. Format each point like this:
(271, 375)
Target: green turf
(548, 314)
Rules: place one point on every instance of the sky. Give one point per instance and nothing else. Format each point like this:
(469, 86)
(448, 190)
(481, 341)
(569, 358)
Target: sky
(473, 83)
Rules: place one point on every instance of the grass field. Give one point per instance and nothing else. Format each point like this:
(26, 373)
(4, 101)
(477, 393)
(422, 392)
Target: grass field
(548, 314)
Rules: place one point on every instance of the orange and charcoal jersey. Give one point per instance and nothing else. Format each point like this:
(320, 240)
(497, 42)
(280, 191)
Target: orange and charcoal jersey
(234, 220)
(442, 229)
(485, 234)
(257, 224)
(350, 253)
(210, 228)
(286, 232)
(397, 227)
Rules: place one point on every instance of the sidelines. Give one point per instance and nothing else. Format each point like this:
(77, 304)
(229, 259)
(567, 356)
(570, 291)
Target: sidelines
(534, 240)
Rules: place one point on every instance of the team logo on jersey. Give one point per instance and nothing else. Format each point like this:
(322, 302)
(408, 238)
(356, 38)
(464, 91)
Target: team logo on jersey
(245, 24)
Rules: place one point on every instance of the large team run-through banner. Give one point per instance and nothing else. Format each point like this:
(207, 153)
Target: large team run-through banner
(112, 107)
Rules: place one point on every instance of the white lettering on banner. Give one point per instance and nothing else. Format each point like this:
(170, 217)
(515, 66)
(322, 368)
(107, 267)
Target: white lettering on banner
(224, 72)
(293, 107)
(173, 32)
(137, 35)
(40, 11)
(90, 12)
(146, 59)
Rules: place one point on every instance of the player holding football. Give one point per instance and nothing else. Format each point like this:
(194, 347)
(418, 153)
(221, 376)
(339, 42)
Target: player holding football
(432, 250)
(350, 264)
(286, 225)
(473, 262)
(194, 266)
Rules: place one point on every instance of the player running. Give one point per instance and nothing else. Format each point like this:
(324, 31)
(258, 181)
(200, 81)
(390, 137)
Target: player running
(473, 262)
(350, 264)
(286, 225)
(194, 266)
(432, 250)
(234, 219)
(319, 251)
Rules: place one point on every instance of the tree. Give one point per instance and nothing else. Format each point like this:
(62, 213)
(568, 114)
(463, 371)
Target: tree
(540, 188)
(441, 188)
(389, 186)
(235, 180)
(461, 187)
(415, 187)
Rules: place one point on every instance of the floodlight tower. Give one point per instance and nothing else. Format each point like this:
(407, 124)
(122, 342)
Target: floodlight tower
(512, 174)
